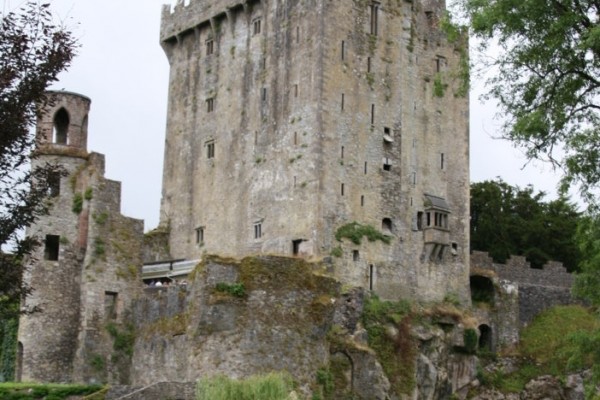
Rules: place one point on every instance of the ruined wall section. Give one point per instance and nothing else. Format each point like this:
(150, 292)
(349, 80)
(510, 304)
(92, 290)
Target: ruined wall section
(539, 289)
(390, 140)
(241, 129)
(86, 270)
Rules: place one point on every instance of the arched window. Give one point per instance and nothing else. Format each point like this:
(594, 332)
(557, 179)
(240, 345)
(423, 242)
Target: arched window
(61, 127)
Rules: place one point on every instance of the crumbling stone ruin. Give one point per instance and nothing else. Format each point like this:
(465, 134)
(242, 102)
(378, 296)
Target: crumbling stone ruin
(320, 148)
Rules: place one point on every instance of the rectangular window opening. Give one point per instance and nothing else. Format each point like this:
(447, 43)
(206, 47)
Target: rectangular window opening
(343, 50)
(257, 230)
(442, 161)
(53, 184)
(51, 248)
(200, 235)
(210, 149)
(342, 101)
(256, 26)
(342, 152)
(368, 64)
(420, 220)
(264, 94)
(209, 47)
(296, 90)
(342, 189)
(296, 246)
(295, 138)
(110, 305)
(362, 201)
(374, 8)
(210, 105)
(387, 164)
(371, 275)
(365, 167)
(355, 255)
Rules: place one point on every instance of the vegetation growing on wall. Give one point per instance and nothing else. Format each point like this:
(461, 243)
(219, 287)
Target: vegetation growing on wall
(396, 354)
(548, 346)
(233, 289)
(8, 348)
(355, 232)
(273, 386)
(31, 391)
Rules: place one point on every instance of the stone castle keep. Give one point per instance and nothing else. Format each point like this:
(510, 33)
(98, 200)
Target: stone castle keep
(314, 146)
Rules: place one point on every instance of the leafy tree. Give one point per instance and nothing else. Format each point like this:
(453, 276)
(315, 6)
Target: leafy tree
(546, 78)
(507, 220)
(33, 51)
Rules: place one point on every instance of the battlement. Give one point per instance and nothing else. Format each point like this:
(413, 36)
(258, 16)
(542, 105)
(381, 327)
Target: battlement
(517, 269)
(182, 17)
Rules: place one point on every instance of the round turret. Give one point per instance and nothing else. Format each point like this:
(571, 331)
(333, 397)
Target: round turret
(64, 121)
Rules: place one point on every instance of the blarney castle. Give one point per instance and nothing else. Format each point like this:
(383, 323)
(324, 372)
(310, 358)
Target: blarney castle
(316, 137)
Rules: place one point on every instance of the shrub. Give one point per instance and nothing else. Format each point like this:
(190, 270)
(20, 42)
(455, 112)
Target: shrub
(77, 203)
(355, 232)
(235, 289)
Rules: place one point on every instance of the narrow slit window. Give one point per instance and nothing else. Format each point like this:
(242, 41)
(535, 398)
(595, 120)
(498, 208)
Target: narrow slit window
(342, 101)
(374, 8)
(365, 167)
(372, 114)
(343, 50)
(371, 275)
(369, 64)
(210, 105)
(442, 161)
(342, 189)
(362, 201)
(342, 152)
(210, 47)
(296, 90)
(264, 94)
(295, 138)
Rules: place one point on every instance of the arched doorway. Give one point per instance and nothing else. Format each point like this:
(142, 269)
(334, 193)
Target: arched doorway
(485, 338)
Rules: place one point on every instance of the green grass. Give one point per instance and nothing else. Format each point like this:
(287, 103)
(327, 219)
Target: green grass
(33, 391)
(234, 289)
(273, 386)
(548, 347)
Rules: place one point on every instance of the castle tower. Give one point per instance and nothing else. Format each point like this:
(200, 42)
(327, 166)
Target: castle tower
(85, 271)
(290, 120)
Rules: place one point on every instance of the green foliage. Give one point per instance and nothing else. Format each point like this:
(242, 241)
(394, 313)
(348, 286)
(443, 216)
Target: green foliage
(98, 363)
(439, 87)
(77, 203)
(273, 386)
(123, 339)
(337, 252)
(396, 355)
(471, 340)
(355, 232)
(587, 283)
(89, 194)
(8, 348)
(101, 218)
(325, 380)
(30, 391)
(99, 247)
(34, 51)
(545, 79)
(507, 220)
(234, 289)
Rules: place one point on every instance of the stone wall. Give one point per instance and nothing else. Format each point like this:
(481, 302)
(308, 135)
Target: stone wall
(288, 120)
(538, 289)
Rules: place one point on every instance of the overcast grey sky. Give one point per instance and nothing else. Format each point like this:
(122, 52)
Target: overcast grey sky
(122, 68)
